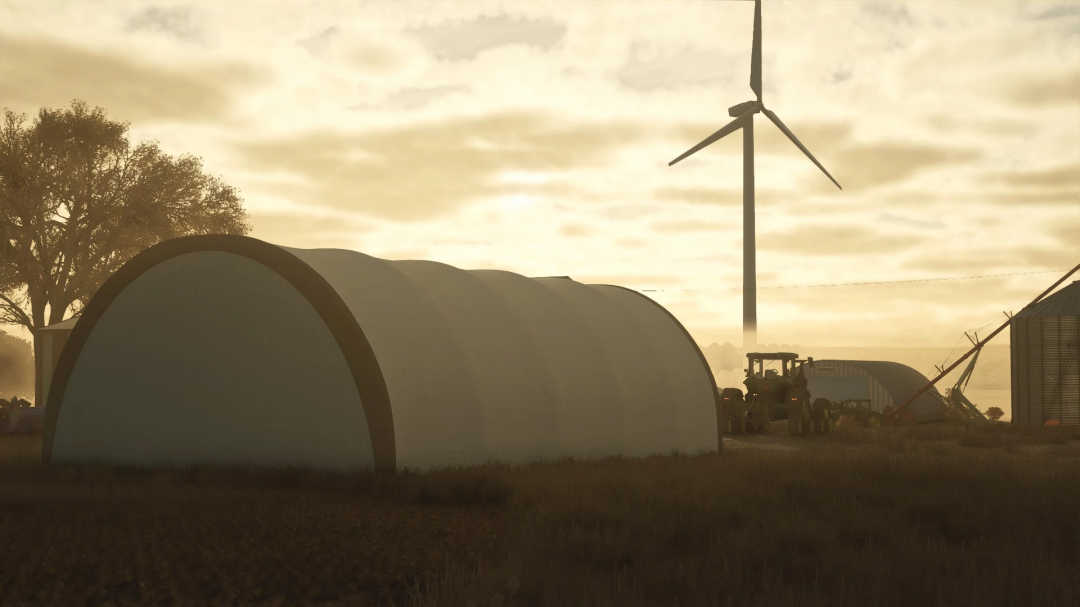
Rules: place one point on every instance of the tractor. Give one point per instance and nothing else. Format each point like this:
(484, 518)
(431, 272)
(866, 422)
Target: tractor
(859, 409)
(773, 395)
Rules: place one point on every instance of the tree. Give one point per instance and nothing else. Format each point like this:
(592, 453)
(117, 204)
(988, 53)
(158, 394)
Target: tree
(729, 358)
(77, 201)
(994, 413)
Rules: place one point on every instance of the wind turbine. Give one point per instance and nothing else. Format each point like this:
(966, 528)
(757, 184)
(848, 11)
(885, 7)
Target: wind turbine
(744, 120)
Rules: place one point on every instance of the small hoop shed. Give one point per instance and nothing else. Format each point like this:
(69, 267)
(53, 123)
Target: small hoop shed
(231, 350)
(1045, 366)
(884, 383)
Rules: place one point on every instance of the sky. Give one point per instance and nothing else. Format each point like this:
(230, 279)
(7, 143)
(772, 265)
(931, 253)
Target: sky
(534, 137)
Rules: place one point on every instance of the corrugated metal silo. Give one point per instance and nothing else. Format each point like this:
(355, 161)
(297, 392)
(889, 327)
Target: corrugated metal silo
(1045, 365)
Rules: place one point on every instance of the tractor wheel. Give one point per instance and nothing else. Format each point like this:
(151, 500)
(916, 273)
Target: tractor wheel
(820, 416)
(731, 409)
(795, 419)
(807, 420)
(827, 426)
(734, 423)
(873, 420)
(758, 422)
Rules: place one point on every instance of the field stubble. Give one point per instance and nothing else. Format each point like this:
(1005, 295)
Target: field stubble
(935, 514)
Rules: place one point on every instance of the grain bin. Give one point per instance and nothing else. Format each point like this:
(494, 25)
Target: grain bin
(1045, 366)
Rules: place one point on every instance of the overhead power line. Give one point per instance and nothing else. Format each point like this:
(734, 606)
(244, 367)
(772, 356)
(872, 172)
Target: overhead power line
(880, 282)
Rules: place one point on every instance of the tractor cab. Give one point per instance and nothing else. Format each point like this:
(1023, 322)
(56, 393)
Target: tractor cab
(774, 382)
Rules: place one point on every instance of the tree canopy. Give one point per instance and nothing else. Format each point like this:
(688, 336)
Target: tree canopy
(77, 201)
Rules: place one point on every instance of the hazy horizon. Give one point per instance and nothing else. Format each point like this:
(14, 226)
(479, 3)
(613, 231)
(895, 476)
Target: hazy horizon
(534, 137)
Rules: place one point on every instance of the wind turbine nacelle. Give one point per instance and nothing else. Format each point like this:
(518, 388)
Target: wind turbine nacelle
(740, 109)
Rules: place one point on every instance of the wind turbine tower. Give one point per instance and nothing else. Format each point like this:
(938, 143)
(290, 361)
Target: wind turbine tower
(744, 119)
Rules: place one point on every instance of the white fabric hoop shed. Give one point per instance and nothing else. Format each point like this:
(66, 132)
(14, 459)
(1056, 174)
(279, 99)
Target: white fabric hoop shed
(227, 349)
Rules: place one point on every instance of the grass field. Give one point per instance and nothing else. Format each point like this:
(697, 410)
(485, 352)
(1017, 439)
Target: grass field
(929, 515)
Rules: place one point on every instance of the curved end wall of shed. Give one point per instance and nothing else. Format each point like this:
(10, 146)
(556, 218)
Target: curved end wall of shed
(887, 384)
(218, 349)
(692, 401)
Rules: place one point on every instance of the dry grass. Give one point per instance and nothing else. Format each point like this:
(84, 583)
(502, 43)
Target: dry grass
(933, 515)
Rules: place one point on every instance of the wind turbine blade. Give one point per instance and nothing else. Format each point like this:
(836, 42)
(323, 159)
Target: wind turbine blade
(755, 54)
(731, 127)
(791, 136)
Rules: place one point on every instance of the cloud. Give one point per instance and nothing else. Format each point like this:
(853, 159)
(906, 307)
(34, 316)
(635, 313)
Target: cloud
(1066, 231)
(715, 196)
(273, 222)
(688, 66)
(1043, 90)
(373, 53)
(986, 260)
(575, 230)
(424, 170)
(372, 57)
(691, 226)
(412, 98)
(624, 212)
(464, 40)
(908, 198)
(1064, 177)
(909, 222)
(175, 21)
(860, 167)
(952, 124)
(830, 239)
(317, 44)
(641, 281)
(1060, 197)
(43, 72)
(631, 243)
(737, 259)
(890, 13)
(1068, 9)
(727, 197)
(841, 75)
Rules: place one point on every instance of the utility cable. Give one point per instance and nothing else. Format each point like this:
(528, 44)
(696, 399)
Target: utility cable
(859, 284)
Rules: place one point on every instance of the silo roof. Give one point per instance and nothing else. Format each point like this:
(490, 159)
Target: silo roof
(1065, 302)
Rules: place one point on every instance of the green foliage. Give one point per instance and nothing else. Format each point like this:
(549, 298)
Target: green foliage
(994, 413)
(77, 200)
(729, 357)
(723, 358)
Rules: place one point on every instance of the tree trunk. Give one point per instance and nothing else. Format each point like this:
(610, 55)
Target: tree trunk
(39, 350)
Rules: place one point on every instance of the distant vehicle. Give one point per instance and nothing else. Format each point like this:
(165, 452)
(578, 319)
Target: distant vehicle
(858, 408)
(773, 395)
(18, 417)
